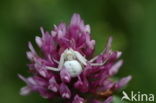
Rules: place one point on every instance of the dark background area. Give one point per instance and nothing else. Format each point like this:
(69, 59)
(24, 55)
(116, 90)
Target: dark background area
(132, 23)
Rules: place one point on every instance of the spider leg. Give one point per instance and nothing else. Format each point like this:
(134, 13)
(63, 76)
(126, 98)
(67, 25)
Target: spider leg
(79, 78)
(98, 64)
(93, 59)
(55, 61)
(80, 58)
(52, 59)
(52, 68)
(60, 64)
(107, 48)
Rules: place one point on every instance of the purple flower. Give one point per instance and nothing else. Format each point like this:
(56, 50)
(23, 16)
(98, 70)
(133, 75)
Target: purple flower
(65, 67)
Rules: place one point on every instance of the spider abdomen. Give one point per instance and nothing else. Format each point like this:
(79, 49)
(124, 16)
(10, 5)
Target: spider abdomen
(73, 67)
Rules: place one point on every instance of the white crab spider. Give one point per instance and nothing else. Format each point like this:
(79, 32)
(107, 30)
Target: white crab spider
(73, 62)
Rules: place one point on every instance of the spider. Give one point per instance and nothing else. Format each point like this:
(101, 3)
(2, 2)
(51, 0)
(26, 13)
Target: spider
(74, 62)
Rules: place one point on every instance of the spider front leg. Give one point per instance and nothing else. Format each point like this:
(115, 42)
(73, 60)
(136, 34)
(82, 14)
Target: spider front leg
(97, 64)
(59, 66)
(107, 49)
(80, 58)
(52, 68)
(93, 59)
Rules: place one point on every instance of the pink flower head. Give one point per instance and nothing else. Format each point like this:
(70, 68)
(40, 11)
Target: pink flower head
(66, 68)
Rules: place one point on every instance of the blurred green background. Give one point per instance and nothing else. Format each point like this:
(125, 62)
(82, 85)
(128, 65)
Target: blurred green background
(132, 23)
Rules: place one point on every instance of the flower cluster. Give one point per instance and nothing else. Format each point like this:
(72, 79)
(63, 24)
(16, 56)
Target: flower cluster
(65, 67)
